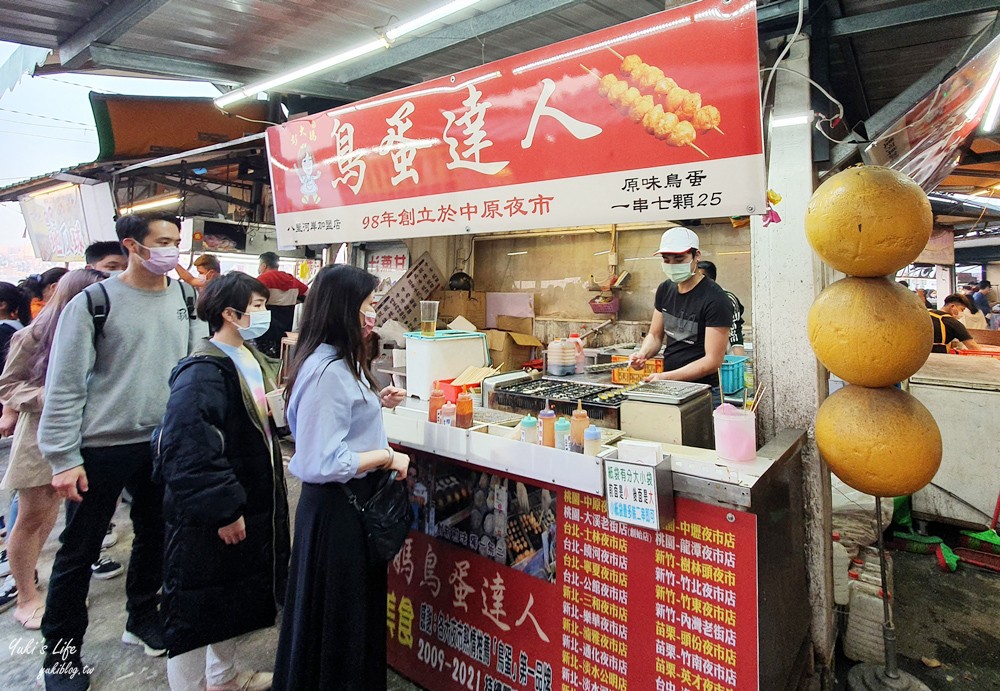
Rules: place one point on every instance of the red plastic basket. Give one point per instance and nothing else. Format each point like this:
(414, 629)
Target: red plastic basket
(606, 307)
(982, 353)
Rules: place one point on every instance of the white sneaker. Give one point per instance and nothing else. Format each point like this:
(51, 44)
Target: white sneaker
(246, 681)
(110, 538)
(4, 564)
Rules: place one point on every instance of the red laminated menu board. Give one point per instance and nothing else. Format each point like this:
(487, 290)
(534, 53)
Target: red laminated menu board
(616, 607)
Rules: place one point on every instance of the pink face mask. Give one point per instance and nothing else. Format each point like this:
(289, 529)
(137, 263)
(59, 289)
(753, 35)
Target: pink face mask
(161, 259)
(369, 324)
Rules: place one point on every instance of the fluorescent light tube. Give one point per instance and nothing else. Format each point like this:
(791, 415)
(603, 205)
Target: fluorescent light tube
(382, 42)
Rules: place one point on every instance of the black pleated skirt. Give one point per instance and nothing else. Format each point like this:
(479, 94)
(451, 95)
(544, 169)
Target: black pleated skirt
(333, 631)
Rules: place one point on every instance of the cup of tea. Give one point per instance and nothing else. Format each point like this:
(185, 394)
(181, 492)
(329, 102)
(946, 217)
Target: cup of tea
(428, 317)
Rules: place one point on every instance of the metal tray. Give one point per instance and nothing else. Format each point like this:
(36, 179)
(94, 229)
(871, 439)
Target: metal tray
(662, 391)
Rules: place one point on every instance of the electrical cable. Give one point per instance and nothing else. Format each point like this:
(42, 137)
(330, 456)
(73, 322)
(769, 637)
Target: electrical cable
(240, 117)
(45, 117)
(42, 136)
(819, 122)
(42, 124)
(784, 53)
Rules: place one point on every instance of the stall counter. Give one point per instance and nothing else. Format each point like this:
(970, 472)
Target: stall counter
(515, 577)
(962, 392)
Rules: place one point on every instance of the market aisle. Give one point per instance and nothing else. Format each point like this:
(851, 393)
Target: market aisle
(115, 665)
(951, 618)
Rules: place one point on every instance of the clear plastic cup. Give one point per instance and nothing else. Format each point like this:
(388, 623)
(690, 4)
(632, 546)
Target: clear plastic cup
(428, 317)
(735, 433)
(276, 404)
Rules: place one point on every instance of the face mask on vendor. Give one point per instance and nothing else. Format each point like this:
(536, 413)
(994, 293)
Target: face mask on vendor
(679, 267)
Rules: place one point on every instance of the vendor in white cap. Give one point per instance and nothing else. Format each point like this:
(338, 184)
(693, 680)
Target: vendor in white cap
(692, 316)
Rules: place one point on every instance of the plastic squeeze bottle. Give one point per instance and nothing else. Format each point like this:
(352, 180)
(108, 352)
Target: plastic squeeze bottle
(578, 425)
(577, 343)
(463, 413)
(592, 441)
(547, 419)
(436, 401)
(562, 428)
(529, 429)
(448, 414)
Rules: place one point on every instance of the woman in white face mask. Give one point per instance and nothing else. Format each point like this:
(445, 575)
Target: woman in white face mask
(225, 507)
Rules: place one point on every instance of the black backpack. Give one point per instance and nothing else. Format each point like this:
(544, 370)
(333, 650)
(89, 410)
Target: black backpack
(99, 304)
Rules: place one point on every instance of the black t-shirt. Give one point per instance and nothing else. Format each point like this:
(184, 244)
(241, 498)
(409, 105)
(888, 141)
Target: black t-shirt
(736, 330)
(946, 330)
(685, 317)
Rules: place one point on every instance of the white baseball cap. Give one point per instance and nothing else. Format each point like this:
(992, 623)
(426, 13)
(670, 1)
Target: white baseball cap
(677, 240)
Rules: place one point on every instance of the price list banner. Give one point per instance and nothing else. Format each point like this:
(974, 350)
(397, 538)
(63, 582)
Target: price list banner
(652, 120)
(629, 608)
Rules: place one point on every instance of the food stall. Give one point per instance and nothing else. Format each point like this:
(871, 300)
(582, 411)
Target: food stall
(650, 565)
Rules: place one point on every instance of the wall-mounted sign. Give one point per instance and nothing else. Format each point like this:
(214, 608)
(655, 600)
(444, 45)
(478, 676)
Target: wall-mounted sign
(925, 142)
(653, 120)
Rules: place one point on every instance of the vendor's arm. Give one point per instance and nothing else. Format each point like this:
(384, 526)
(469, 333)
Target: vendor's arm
(652, 343)
(716, 343)
(190, 278)
(957, 331)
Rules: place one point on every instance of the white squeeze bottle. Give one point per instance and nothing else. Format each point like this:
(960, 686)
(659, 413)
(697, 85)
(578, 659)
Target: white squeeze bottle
(448, 414)
(841, 567)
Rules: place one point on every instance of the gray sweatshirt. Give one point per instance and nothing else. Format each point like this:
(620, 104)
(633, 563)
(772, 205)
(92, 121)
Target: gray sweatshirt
(116, 393)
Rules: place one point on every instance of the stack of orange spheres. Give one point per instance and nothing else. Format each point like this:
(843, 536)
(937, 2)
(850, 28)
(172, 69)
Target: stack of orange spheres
(869, 222)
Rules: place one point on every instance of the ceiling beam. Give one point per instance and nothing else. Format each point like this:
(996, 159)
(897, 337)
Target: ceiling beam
(898, 17)
(971, 158)
(779, 15)
(113, 57)
(969, 173)
(106, 26)
(195, 189)
(501, 17)
(880, 121)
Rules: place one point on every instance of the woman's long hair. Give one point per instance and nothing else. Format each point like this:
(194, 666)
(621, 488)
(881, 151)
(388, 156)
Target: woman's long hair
(332, 315)
(18, 302)
(37, 283)
(43, 329)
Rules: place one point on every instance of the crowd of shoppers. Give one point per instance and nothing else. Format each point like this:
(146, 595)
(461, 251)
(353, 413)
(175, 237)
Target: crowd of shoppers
(123, 380)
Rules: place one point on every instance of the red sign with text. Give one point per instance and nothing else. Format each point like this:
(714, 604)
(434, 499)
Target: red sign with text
(629, 608)
(654, 119)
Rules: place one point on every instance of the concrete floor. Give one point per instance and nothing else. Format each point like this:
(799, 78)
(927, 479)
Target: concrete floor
(117, 666)
(953, 618)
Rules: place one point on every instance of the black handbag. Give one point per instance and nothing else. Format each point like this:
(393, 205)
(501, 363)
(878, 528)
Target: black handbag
(386, 516)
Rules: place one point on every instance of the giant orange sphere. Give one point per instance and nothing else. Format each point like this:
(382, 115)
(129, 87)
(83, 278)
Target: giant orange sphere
(870, 331)
(869, 221)
(882, 442)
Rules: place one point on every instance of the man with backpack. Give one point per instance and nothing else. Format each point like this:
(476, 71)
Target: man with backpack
(106, 390)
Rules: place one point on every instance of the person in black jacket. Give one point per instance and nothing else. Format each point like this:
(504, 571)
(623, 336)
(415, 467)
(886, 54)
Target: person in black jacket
(224, 505)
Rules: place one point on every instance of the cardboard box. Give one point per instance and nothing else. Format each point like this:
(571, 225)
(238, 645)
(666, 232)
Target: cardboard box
(510, 349)
(521, 325)
(462, 303)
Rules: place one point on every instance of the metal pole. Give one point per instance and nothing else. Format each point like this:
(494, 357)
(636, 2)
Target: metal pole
(888, 630)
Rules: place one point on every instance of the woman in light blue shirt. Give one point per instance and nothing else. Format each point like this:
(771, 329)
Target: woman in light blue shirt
(333, 629)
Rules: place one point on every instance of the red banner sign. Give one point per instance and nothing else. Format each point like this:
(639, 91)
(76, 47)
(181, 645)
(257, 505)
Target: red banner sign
(656, 119)
(628, 608)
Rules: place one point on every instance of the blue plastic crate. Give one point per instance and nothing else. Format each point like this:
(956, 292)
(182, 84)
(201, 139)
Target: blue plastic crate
(732, 374)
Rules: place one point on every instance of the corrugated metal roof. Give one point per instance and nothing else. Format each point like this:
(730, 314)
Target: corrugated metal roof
(236, 41)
